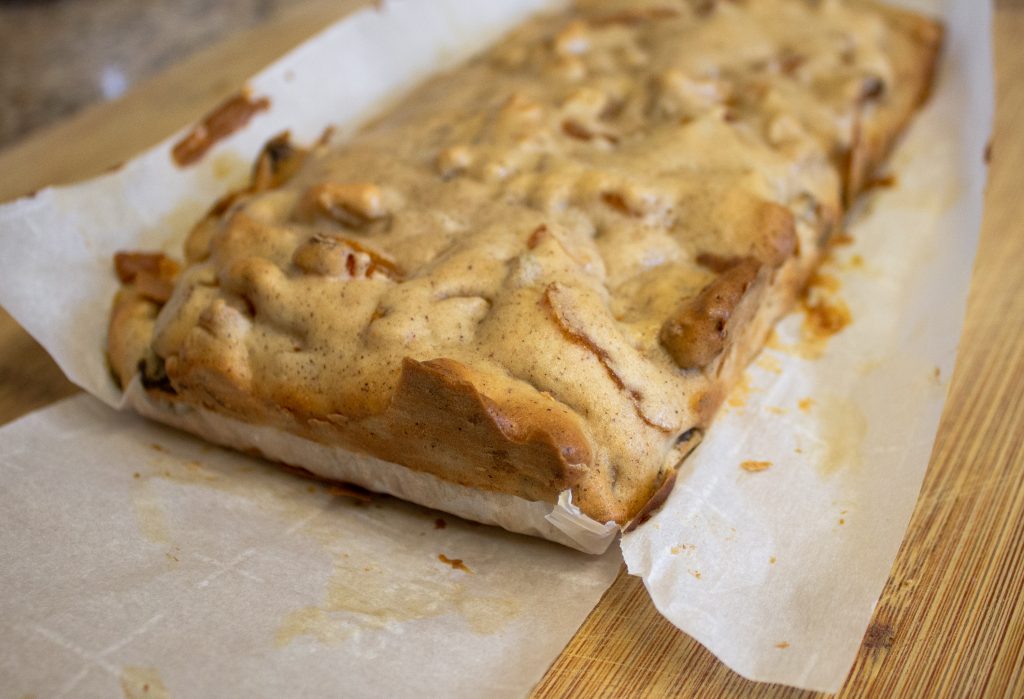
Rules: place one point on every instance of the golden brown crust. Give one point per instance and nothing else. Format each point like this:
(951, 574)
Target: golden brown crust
(479, 430)
(882, 111)
(148, 280)
(699, 330)
(476, 430)
(129, 333)
(541, 271)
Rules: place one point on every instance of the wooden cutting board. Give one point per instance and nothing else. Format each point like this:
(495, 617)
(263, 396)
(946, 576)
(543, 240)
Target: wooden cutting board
(951, 619)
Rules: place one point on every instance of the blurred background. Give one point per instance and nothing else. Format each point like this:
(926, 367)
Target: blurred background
(58, 56)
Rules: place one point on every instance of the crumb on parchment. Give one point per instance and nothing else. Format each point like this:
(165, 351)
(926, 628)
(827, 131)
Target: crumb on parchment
(455, 563)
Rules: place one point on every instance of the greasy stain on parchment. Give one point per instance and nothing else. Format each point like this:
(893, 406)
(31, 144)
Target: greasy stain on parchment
(149, 513)
(740, 392)
(843, 431)
(825, 314)
(231, 167)
(142, 683)
(169, 233)
(284, 496)
(824, 317)
(769, 363)
(365, 597)
(359, 595)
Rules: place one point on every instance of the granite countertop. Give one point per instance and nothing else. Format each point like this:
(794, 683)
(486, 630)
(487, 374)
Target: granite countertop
(58, 56)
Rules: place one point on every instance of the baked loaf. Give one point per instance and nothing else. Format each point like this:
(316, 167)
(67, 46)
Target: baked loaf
(543, 271)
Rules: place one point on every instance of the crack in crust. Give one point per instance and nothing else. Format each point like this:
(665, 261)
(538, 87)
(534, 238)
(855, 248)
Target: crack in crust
(559, 308)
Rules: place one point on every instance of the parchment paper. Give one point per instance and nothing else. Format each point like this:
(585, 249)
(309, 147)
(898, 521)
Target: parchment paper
(133, 554)
(776, 571)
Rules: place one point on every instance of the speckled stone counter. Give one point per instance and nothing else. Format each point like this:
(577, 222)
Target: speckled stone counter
(58, 56)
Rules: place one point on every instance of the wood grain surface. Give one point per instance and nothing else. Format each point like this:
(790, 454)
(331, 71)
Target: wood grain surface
(950, 622)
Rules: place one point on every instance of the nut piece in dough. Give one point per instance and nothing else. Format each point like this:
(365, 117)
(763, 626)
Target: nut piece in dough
(698, 331)
(348, 203)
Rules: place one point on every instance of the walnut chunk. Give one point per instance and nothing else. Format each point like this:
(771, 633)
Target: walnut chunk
(639, 203)
(152, 274)
(585, 102)
(353, 204)
(790, 61)
(677, 93)
(747, 225)
(783, 128)
(539, 234)
(698, 331)
(778, 239)
(230, 116)
(519, 109)
(453, 160)
(277, 162)
(572, 40)
(579, 131)
(336, 256)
